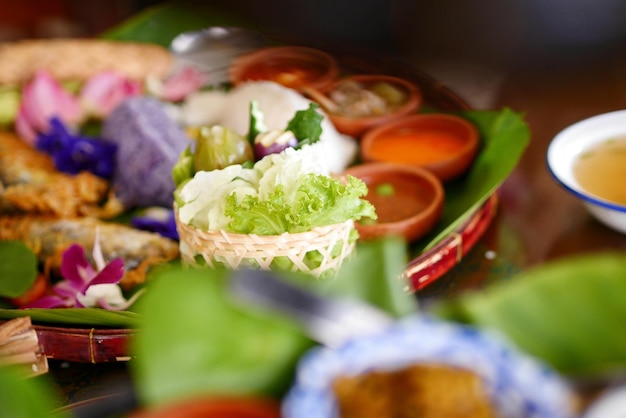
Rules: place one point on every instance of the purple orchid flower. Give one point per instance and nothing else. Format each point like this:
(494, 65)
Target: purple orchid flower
(74, 153)
(86, 286)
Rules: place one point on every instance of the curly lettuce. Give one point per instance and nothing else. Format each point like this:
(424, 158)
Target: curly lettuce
(319, 200)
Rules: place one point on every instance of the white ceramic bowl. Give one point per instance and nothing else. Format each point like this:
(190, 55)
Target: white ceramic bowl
(566, 147)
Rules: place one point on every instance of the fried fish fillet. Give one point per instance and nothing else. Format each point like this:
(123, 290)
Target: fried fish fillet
(79, 59)
(49, 237)
(29, 183)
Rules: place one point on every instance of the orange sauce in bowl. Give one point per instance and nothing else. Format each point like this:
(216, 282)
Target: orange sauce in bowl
(288, 73)
(416, 146)
(399, 198)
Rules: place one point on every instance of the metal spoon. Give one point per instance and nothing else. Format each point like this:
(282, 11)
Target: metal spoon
(328, 321)
(212, 49)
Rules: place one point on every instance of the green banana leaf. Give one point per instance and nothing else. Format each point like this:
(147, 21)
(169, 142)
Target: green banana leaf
(89, 317)
(28, 398)
(162, 23)
(504, 137)
(206, 343)
(570, 313)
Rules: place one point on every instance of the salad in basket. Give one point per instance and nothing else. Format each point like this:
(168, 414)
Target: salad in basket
(266, 200)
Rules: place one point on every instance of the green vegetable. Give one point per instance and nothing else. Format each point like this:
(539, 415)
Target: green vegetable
(183, 169)
(87, 317)
(257, 122)
(196, 340)
(385, 189)
(218, 147)
(18, 268)
(28, 398)
(306, 125)
(570, 312)
(374, 275)
(320, 200)
(206, 343)
(9, 103)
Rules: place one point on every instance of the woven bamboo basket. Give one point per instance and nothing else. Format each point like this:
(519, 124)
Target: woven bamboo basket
(249, 250)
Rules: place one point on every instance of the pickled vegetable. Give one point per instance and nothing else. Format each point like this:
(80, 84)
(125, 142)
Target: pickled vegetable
(218, 147)
(273, 142)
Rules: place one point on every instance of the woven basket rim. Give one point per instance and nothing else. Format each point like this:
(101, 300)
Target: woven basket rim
(223, 232)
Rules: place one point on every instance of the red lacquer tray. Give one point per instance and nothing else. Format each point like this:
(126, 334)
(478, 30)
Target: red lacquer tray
(434, 263)
(84, 345)
(95, 345)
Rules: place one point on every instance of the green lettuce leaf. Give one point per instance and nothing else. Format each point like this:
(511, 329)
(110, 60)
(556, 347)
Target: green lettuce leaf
(320, 200)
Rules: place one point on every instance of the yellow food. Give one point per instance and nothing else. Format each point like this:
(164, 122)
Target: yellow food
(421, 390)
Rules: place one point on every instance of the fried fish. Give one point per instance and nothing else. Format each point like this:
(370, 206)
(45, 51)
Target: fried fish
(30, 184)
(79, 59)
(49, 237)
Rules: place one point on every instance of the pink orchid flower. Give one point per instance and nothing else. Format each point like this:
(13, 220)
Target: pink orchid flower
(180, 84)
(105, 91)
(86, 286)
(42, 99)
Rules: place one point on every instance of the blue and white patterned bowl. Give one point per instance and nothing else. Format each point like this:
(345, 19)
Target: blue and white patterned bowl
(519, 385)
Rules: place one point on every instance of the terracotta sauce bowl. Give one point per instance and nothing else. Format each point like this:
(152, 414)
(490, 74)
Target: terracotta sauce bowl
(446, 145)
(295, 67)
(356, 125)
(408, 200)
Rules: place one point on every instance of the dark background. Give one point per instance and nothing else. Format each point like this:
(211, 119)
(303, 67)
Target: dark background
(494, 33)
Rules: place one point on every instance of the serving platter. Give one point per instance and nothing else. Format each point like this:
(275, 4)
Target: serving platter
(430, 260)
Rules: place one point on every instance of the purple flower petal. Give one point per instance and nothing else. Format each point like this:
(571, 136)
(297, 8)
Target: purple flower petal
(75, 268)
(74, 153)
(79, 276)
(111, 274)
(50, 302)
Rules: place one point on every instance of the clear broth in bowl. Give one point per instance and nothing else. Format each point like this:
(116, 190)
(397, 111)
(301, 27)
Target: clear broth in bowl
(601, 170)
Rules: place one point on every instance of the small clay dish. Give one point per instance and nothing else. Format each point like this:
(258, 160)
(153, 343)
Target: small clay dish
(360, 102)
(444, 144)
(408, 200)
(295, 67)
